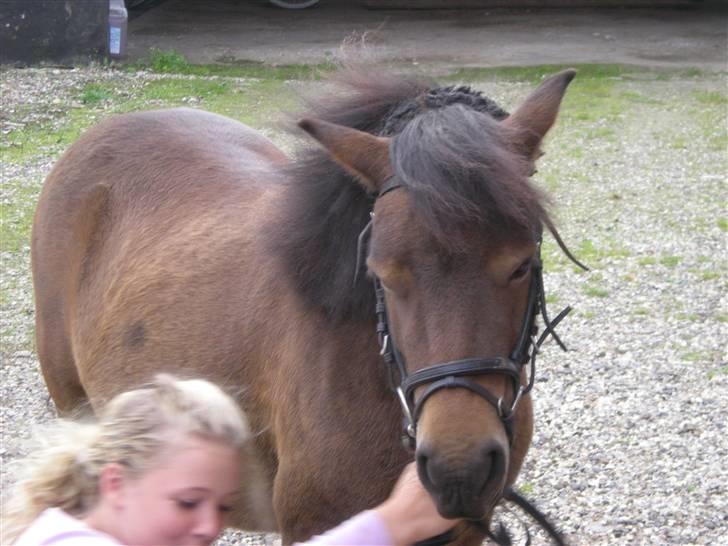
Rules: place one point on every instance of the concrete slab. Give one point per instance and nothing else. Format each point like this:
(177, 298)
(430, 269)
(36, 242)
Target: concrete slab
(240, 31)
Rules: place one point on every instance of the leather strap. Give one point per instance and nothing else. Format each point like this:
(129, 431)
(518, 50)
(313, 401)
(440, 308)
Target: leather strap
(468, 366)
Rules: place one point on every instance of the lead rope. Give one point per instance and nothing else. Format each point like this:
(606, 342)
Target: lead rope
(501, 536)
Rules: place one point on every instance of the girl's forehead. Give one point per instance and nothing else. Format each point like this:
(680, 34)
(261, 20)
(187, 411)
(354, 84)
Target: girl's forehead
(190, 459)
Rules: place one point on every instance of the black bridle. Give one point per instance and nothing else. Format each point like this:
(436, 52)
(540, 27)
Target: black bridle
(455, 374)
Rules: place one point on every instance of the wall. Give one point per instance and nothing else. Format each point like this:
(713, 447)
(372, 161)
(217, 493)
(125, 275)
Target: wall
(52, 31)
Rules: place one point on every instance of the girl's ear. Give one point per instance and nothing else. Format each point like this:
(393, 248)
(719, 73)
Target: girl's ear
(112, 481)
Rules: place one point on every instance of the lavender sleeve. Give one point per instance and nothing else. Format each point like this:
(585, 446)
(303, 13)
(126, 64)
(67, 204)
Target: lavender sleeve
(364, 529)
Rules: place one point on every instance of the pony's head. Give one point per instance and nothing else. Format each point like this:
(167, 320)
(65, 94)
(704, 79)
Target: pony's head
(454, 248)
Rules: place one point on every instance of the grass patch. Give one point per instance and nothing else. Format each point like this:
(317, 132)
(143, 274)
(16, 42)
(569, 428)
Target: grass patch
(172, 62)
(42, 137)
(719, 142)
(93, 93)
(16, 217)
(596, 292)
(670, 261)
(252, 101)
(601, 133)
(711, 97)
(526, 488)
(175, 90)
(679, 143)
(709, 275)
(723, 370)
(722, 224)
(683, 73)
(638, 98)
(589, 253)
(692, 356)
(648, 260)
(256, 104)
(534, 74)
(168, 62)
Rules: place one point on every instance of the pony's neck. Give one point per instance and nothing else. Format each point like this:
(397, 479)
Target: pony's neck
(324, 210)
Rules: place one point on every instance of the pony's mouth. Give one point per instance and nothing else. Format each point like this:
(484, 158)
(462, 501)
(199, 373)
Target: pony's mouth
(460, 501)
(465, 491)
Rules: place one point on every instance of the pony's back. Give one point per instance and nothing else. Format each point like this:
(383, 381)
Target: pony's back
(125, 213)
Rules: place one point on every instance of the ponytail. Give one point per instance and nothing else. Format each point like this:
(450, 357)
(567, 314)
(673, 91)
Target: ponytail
(57, 472)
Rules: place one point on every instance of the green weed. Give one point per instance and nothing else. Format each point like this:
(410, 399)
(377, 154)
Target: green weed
(94, 92)
(172, 62)
(711, 97)
(723, 370)
(175, 90)
(536, 73)
(692, 356)
(670, 261)
(16, 217)
(168, 62)
(43, 136)
(526, 488)
(596, 292)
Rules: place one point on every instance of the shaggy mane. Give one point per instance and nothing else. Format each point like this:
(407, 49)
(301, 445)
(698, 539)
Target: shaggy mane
(448, 150)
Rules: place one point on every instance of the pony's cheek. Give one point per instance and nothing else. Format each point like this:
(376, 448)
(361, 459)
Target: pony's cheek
(522, 434)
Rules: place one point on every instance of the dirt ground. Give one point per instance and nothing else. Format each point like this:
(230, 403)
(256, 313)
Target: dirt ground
(243, 31)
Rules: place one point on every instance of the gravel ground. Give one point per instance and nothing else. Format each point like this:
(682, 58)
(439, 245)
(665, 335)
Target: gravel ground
(631, 442)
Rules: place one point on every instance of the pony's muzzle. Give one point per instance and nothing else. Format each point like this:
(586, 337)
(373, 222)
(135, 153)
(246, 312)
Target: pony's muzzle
(468, 489)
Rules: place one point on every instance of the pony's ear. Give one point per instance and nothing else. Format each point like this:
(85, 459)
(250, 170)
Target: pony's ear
(532, 120)
(363, 155)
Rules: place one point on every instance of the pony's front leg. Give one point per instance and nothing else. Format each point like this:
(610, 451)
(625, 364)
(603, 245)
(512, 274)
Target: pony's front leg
(310, 499)
(302, 508)
(306, 507)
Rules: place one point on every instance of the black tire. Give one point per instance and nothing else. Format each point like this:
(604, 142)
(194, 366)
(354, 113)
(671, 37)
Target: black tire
(294, 4)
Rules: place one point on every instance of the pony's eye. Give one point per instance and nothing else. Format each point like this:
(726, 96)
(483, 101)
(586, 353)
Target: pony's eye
(521, 271)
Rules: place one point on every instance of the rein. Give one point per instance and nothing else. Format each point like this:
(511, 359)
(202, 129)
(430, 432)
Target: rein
(455, 374)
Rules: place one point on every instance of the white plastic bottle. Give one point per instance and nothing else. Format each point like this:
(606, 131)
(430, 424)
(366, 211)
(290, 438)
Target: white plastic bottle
(117, 29)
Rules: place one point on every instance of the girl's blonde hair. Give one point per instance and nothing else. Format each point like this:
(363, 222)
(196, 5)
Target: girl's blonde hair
(64, 467)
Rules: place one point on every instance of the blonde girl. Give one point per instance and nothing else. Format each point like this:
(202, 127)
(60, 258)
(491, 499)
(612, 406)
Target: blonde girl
(161, 467)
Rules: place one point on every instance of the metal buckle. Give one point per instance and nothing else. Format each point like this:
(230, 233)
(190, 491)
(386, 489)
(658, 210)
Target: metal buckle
(385, 345)
(410, 428)
(516, 400)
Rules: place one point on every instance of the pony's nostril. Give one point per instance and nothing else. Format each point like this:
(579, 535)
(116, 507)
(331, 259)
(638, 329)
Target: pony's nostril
(423, 470)
(493, 466)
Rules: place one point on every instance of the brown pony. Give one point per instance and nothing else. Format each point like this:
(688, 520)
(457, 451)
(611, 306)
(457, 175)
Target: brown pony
(183, 241)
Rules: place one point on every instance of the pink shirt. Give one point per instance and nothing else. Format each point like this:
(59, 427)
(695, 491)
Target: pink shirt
(364, 529)
(54, 527)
